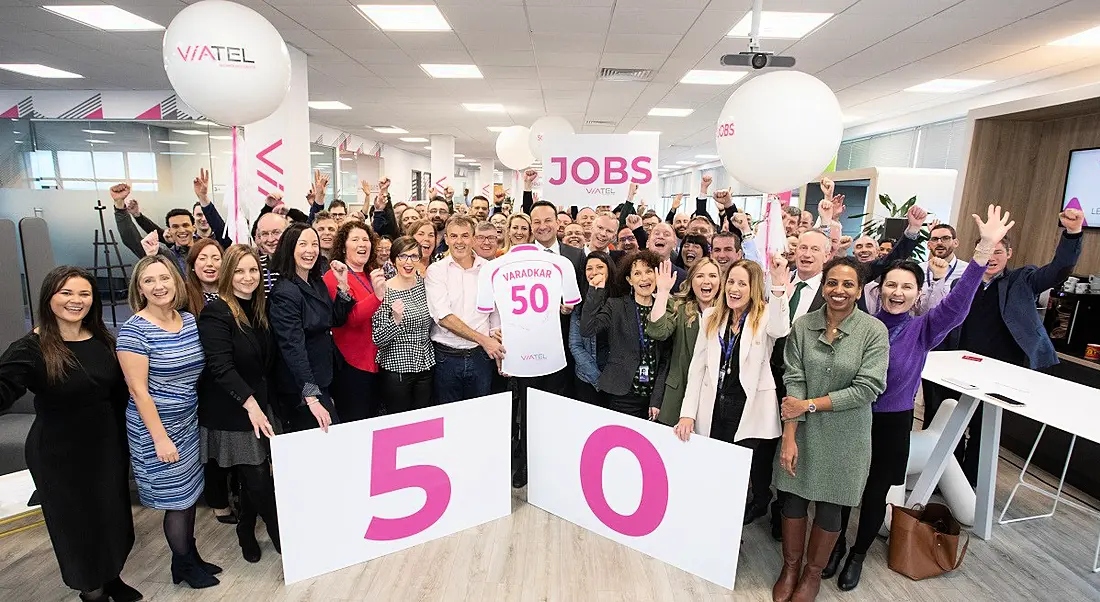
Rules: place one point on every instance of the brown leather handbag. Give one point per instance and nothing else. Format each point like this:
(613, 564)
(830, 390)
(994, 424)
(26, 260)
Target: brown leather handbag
(924, 541)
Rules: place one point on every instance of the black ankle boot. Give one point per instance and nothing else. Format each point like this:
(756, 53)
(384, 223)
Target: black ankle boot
(120, 592)
(209, 567)
(100, 598)
(834, 558)
(853, 568)
(186, 568)
(273, 533)
(250, 548)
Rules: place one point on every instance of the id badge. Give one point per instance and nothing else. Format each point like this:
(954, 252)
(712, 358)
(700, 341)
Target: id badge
(643, 374)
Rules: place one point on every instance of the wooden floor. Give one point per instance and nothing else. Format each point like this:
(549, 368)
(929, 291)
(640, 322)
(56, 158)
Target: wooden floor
(532, 555)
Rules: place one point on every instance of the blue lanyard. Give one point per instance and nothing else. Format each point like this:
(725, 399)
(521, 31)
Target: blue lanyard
(928, 278)
(370, 289)
(727, 350)
(267, 278)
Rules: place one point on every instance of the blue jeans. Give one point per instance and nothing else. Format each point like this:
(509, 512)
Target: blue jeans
(462, 374)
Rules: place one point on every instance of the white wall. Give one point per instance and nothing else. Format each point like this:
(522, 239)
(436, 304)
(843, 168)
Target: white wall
(396, 164)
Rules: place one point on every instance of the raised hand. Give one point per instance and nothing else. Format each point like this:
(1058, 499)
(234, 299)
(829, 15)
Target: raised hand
(938, 267)
(825, 210)
(777, 264)
(529, 178)
(631, 191)
(201, 185)
(642, 208)
(666, 277)
(133, 208)
(740, 220)
(274, 199)
(320, 182)
(845, 243)
(397, 310)
(384, 186)
(378, 281)
(1073, 220)
(633, 221)
(916, 216)
(723, 199)
(281, 209)
(340, 271)
(151, 243)
(676, 202)
(995, 226)
(704, 185)
(119, 193)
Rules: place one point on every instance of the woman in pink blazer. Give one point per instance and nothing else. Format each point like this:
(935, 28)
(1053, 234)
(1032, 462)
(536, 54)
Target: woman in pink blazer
(731, 392)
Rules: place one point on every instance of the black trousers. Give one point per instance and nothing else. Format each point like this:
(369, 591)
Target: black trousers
(556, 383)
(218, 485)
(588, 394)
(404, 391)
(300, 418)
(630, 405)
(355, 393)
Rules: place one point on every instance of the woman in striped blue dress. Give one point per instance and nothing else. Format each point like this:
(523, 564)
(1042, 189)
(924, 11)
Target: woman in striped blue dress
(162, 359)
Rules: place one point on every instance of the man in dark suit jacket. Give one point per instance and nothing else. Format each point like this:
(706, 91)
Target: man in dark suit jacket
(1003, 323)
(544, 224)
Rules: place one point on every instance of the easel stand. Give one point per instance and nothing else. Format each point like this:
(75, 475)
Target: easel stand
(105, 240)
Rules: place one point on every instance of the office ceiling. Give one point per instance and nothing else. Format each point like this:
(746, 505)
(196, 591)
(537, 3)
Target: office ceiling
(544, 56)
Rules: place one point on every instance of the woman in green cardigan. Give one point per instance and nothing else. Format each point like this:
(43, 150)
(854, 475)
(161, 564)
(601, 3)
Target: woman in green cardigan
(836, 359)
(678, 318)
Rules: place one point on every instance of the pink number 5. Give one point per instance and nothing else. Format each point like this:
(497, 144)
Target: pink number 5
(651, 508)
(385, 477)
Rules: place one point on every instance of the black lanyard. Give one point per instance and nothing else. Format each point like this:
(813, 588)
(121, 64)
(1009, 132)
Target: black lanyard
(370, 289)
(642, 343)
(728, 347)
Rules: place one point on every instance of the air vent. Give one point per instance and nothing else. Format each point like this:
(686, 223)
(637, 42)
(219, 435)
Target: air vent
(601, 123)
(613, 74)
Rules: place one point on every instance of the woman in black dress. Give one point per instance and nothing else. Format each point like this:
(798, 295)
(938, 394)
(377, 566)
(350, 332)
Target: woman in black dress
(233, 402)
(76, 449)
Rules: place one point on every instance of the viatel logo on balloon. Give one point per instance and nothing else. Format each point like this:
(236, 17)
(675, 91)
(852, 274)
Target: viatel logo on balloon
(232, 56)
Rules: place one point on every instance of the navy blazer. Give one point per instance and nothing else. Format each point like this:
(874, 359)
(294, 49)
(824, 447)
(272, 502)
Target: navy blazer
(1017, 300)
(302, 316)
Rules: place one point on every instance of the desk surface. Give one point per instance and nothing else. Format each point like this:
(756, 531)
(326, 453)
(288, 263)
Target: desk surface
(1065, 405)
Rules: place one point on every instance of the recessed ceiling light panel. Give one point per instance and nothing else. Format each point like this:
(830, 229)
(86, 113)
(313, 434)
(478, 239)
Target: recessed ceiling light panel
(390, 17)
(328, 105)
(667, 112)
(452, 71)
(106, 17)
(778, 25)
(413, 139)
(390, 129)
(37, 70)
(948, 86)
(713, 78)
(1090, 37)
(482, 107)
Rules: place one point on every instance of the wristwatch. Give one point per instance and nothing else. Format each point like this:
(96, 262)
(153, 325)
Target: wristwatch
(811, 407)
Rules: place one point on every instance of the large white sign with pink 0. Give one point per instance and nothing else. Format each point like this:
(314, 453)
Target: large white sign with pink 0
(373, 487)
(635, 483)
(588, 170)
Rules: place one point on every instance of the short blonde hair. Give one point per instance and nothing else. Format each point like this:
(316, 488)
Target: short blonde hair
(138, 301)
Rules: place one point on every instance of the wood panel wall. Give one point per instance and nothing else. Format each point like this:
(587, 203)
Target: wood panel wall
(1021, 165)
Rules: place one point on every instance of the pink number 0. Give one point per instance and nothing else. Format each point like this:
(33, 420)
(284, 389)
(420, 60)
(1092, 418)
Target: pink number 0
(651, 509)
(385, 477)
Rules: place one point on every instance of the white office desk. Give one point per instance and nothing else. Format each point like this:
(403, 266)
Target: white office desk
(1062, 404)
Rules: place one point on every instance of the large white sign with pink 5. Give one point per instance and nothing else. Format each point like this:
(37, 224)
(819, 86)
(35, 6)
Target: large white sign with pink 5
(634, 482)
(588, 170)
(373, 487)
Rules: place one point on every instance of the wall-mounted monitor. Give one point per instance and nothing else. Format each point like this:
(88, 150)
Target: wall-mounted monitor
(1083, 184)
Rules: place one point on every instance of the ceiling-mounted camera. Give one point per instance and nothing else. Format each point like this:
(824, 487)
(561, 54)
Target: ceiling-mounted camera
(757, 60)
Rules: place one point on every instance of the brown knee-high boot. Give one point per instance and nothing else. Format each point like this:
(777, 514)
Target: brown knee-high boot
(817, 556)
(794, 543)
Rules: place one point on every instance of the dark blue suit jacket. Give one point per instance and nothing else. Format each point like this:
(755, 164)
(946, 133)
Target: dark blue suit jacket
(1017, 300)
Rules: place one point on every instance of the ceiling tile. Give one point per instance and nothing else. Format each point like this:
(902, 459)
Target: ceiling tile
(653, 21)
(568, 19)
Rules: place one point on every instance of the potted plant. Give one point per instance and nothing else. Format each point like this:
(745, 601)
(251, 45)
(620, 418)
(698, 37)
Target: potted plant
(875, 227)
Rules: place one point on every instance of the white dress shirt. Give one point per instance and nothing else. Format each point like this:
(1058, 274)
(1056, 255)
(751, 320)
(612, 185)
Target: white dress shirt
(806, 297)
(452, 290)
(555, 248)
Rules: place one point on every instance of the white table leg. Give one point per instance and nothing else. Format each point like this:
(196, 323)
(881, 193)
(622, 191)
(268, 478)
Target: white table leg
(945, 447)
(987, 471)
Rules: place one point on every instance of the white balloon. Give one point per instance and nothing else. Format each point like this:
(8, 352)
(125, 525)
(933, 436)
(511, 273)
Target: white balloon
(226, 61)
(512, 147)
(779, 131)
(544, 126)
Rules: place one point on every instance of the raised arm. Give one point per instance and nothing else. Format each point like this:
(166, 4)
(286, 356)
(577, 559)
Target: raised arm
(595, 312)
(1065, 255)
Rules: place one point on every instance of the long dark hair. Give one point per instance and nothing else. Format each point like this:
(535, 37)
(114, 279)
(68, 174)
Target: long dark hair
(195, 300)
(58, 358)
(284, 254)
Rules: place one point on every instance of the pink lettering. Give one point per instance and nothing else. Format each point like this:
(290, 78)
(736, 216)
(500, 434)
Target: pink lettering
(654, 502)
(560, 178)
(614, 169)
(640, 165)
(587, 161)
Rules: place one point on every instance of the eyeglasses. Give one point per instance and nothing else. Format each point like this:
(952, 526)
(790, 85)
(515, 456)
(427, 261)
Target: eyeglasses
(947, 238)
(409, 257)
(628, 239)
(485, 238)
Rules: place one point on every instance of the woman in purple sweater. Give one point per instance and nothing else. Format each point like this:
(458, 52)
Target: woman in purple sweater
(911, 338)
